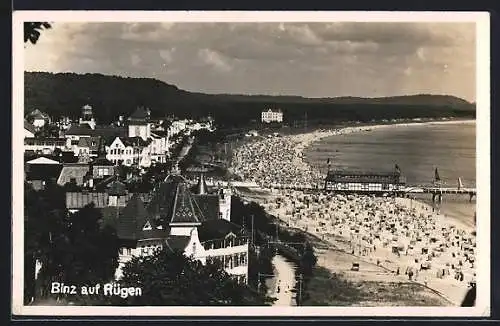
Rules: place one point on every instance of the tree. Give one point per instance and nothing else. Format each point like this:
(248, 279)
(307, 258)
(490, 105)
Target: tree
(32, 31)
(76, 249)
(169, 278)
(44, 220)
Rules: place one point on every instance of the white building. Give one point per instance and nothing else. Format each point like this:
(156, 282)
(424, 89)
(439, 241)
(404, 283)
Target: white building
(272, 116)
(364, 182)
(129, 151)
(44, 146)
(139, 124)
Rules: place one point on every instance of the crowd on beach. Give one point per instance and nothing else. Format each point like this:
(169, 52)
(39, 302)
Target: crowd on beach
(406, 237)
(277, 160)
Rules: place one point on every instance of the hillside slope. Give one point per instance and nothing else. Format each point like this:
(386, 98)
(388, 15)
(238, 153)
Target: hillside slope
(111, 96)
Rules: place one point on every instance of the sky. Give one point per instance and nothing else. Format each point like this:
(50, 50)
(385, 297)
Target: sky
(367, 59)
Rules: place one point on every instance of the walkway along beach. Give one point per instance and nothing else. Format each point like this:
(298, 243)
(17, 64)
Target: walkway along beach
(392, 239)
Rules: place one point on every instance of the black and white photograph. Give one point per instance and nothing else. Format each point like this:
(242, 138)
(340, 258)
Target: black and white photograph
(251, 163)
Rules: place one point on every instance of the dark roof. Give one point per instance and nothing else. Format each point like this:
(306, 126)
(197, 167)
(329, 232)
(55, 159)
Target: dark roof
(154, 232)
(28, 126)
(140, 113)
(42, 171)
(107, 132)
(135, 141)
(364, 177)
(77, 129)
(37, 114)
(177, 243)
(172, 201)
(209, 205)
(111, 215)
(102, 161)
(159, 133)
(116, 188)
(92, 142)
(132, 220)
(102, 184)
(218, 229)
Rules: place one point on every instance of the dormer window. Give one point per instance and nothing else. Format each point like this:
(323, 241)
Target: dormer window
(147, 226)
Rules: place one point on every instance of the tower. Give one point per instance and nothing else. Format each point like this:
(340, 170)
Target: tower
(87, 116)
(225, 203)
(139, 124)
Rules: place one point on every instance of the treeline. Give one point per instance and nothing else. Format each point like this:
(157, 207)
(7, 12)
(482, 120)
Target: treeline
(64, 94)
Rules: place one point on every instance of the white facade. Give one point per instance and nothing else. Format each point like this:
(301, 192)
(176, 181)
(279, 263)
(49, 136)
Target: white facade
(271, 116)
(140, 130)
(159, 148)
(39, 122)
(225, 204)
(91, 122)
(128, 155)
(232, 252)
(44, 146)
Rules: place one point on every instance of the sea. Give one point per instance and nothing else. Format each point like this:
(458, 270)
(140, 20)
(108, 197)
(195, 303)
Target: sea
(417, 149)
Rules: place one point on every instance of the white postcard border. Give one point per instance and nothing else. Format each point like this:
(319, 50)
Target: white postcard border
(481, 19)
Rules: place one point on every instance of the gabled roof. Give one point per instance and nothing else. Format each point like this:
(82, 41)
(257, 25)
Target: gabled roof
(42, 160)
(209, 205)
(28, 126)
(92, 142)
(73, 171)
(132, 220)
(172, 202)
(218, 229)
(37, 114)
(140, 113)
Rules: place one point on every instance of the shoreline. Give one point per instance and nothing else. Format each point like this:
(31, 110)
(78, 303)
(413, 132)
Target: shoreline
(281, 203)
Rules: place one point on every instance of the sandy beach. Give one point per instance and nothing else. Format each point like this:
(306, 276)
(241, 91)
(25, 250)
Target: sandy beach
(390, 238)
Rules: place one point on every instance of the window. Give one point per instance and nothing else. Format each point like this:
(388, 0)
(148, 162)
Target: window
(129, 251)
(194, 249)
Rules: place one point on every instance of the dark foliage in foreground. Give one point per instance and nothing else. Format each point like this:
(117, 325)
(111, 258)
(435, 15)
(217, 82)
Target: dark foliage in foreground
(75, 249)
(171, 278)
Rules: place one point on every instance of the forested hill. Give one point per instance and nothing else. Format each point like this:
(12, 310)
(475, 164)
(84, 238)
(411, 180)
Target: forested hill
(111, 96)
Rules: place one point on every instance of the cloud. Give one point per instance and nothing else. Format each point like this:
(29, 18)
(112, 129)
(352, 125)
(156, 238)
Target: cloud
(308, 59)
